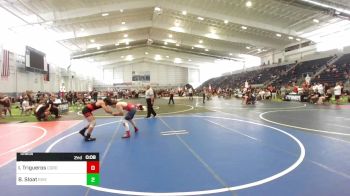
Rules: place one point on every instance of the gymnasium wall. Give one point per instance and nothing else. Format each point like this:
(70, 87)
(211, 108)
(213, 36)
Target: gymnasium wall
(20, 80)
(160, 74)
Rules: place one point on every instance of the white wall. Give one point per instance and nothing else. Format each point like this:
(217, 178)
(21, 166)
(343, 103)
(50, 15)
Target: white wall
(273, 57)
(302, 54)
(160, 74)
(194, 77)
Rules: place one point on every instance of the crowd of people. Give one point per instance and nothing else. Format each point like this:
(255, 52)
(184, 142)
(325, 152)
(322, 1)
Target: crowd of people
(316, 93)
(45, 105)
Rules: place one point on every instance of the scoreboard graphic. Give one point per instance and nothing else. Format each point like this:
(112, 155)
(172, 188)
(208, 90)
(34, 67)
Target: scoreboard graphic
(58, 169)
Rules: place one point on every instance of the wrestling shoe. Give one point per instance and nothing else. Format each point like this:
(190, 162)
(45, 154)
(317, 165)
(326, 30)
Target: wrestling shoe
(82, 132)
(136, 129)
(90, 139)
(126, 134)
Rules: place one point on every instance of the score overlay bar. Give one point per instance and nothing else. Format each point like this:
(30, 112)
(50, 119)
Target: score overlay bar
(57, 169)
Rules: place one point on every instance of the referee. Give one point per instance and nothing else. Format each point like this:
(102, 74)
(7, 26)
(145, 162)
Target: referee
(150, 102)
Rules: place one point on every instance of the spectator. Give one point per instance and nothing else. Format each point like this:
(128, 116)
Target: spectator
(27, 109)
(51, 107)
(7, 105)
(190, 93)
(337, 92)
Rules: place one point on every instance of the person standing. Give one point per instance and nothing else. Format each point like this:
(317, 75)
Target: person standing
(190, 93)
(171, 96)
(94, 95)
(204, 91)
(150, 101)
(337, 92)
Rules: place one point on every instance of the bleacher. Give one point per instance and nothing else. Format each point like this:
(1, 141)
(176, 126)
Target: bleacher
(280, 76)
(307, 67)
(259, 76)
(340, 71)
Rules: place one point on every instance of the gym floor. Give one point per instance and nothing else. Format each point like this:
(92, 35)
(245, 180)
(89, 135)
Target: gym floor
(218, 148)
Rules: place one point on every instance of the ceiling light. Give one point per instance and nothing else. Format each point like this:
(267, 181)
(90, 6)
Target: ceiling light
(122, 57)
(146, 53)
(290, 37)
(199, 46)
(92, 40)
(105, 14)
(82, 29)
(116, 44)
(200, 18)
(167, 56)
(200, 41)
(129, 57)
(278, 35)
(98, 47)
(189, 60)
(157, 9)
(184, 13)
(230, 54)
(206, 50)
(243, 27)
(264, 50)
(177, 44)
(125, 35)
(259, 50)
(315, 21)
(248, 4)
(177, 23)
(248, 47)
(298, 39)
(177, 60)
(126, 43)
(157, 57)
(170, 35)
(192, 48)
(165, 43)
(225, 21)
(123, 23)
(212, 35)
(121, 10)
(177, 29)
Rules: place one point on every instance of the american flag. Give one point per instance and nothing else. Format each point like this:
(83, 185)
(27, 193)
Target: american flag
(5, 71)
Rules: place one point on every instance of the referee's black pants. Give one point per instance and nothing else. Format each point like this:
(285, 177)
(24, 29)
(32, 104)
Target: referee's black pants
(171, 99)
(150, 108)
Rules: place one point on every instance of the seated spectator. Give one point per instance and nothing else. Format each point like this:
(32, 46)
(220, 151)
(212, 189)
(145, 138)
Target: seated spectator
(26, 108)
(314, 97)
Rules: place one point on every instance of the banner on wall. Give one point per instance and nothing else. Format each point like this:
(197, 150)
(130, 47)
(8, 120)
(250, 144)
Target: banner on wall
(143, 76)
